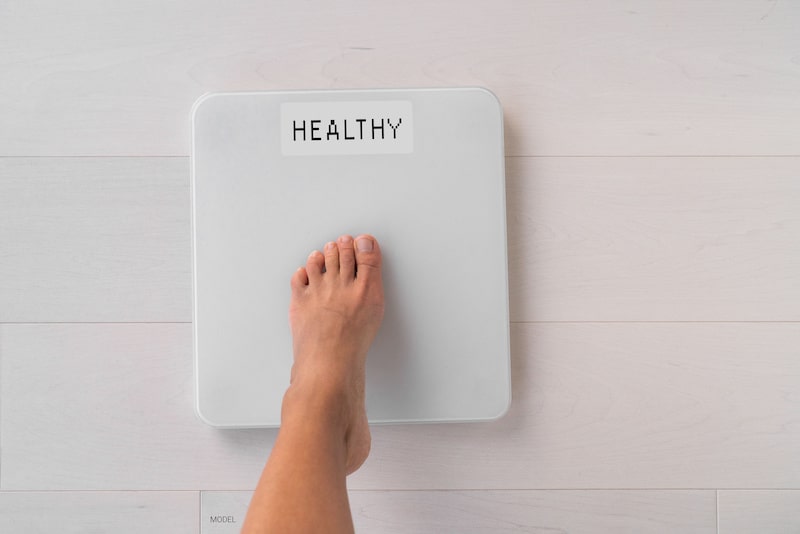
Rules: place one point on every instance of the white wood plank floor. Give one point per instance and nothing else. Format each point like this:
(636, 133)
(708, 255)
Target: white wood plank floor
(759, 511)
(79, 512)
(596, 405)
(653, 177)
(472, 512)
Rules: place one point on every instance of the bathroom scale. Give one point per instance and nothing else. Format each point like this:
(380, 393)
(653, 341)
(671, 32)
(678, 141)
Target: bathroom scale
(278, 174)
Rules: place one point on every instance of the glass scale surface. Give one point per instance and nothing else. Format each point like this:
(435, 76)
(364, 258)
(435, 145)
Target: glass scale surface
(276, 175)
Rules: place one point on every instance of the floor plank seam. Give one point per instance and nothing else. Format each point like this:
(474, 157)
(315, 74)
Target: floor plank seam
(407, 490)
(563, 156)
(26, 323)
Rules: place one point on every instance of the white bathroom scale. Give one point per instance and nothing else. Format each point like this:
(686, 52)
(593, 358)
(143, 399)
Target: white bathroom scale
(276, 175)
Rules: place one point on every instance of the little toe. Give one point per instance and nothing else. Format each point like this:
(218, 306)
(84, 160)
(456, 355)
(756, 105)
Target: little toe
(314, 266)
(347, 257)
(368, 256)
(331, 258)
(299, 279)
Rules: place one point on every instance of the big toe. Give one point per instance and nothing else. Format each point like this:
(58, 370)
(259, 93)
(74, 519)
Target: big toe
(368, 256)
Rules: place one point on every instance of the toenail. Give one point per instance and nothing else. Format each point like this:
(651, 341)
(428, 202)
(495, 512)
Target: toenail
(329, 245)
(313, 253)
(345, 239)
(364, 244)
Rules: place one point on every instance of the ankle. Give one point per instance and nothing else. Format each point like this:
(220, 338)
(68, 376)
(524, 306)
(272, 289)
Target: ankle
(318, 402)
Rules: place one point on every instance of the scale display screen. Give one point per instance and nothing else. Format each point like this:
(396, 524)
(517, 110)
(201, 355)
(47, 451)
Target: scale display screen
(365, 127)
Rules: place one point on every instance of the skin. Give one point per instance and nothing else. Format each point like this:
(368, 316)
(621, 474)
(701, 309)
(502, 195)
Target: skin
(335, 312)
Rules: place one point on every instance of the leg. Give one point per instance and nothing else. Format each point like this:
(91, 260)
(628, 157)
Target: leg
(324, 435)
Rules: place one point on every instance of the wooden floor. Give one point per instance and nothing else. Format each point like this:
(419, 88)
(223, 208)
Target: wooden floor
(653, 178)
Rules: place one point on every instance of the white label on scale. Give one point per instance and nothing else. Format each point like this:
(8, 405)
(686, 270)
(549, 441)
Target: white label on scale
(363, 127)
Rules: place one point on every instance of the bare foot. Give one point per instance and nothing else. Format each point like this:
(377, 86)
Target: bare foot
(335, 312)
